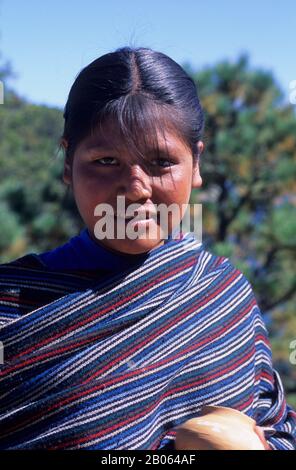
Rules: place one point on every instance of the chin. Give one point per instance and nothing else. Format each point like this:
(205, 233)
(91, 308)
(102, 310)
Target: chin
(137, 246)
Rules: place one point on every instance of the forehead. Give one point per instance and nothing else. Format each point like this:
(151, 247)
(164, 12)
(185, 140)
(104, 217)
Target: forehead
(107, 139)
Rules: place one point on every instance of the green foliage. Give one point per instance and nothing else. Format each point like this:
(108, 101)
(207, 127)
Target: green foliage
(11, 229)
(36, 214)
(248, 194)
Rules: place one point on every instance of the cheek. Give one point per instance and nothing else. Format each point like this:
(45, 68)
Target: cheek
(176, 187)
(88, 185)
(88, 191)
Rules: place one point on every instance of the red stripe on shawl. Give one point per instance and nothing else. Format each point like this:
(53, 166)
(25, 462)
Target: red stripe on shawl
(164, 328)
(147, 368)
(131, 373)
(76, 325)
(146, 411)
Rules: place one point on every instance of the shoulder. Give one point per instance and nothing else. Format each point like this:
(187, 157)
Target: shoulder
(220, 266)
(227, 286)
(29, 261)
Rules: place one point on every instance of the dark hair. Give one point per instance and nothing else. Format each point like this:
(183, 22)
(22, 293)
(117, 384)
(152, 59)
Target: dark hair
(140, 91)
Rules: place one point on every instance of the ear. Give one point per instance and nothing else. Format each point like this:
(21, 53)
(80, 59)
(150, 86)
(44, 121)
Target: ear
(196, 178)
(67, 173)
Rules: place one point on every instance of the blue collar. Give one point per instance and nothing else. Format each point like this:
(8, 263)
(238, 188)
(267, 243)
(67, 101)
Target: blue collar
(81, 252)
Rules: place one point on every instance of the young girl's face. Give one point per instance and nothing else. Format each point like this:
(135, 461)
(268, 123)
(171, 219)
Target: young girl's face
(99, 172)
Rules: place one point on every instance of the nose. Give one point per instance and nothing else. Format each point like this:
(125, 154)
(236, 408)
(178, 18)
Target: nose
(135, 184)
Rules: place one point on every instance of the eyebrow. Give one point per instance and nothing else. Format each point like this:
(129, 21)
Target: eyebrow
(162, 151)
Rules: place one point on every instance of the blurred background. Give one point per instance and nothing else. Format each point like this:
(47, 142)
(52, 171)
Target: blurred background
(242, 57)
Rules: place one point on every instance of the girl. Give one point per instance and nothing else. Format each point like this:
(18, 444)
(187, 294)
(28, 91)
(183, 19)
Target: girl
(111, 342)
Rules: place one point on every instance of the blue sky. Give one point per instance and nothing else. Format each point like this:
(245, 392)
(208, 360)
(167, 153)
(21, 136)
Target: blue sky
(48, 42)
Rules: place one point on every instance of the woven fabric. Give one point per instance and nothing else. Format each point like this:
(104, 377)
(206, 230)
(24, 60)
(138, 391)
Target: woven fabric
(98, 362)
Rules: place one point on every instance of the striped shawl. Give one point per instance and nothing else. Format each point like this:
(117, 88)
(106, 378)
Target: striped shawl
(97, 361)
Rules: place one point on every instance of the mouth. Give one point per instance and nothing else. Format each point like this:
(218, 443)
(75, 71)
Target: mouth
(139, 217)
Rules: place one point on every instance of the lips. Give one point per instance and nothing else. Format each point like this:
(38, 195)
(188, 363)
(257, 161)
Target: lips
(140, 216)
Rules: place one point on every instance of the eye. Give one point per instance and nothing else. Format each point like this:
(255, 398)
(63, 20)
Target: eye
(161, 161)
(100, 161)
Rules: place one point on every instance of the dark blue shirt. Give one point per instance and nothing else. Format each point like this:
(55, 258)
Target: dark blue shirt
(81, 252)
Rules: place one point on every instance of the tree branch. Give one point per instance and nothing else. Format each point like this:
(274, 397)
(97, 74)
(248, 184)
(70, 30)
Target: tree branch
(286, 296)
